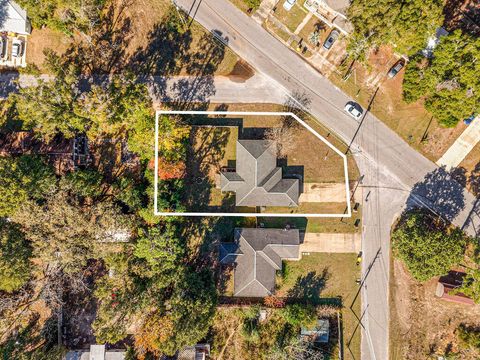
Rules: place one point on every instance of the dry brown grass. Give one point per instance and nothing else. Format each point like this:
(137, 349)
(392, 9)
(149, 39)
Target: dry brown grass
(422, 325)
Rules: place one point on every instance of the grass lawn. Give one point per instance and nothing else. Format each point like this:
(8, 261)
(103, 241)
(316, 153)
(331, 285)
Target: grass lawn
(411, 121)
(291, 19)
(314, 24)
(140, 20)
(329, 276)
(272, 27)
(242, 5)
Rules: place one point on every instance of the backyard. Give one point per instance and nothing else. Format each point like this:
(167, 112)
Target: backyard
(325, 278)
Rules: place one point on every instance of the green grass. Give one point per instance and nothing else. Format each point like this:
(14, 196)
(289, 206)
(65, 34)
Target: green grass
(341, 272)
(281, 33)
(291, 19)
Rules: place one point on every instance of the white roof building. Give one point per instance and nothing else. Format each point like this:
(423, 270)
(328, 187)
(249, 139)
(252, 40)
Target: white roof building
(13, 18)
(97, 352)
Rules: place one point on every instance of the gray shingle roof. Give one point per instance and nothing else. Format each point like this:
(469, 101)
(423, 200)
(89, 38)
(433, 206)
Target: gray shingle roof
(257, 254)
(257, 180)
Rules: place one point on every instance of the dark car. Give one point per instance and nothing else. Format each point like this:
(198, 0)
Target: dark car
(331, 39)
(469, 120)
(3, 47)
(395, 69)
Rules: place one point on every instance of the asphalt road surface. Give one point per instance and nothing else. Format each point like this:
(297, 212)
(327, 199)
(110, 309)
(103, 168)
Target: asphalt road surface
(391, 168)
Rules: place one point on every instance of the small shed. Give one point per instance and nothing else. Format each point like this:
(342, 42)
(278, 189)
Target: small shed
(319, 333)
(447, 285)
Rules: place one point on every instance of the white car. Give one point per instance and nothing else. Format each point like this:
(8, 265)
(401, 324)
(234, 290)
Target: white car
(17, 48)
(288, 4)
(354, 110)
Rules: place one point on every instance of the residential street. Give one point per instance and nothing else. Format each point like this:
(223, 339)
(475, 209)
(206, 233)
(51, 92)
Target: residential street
(390, 166)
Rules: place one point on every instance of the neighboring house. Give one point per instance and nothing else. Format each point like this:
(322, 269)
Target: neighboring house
(319, 333)
(256, 255)
(331, 12)
(258, 180)
(65, 154)
(197, 352)
(96, 352)
(13, 19)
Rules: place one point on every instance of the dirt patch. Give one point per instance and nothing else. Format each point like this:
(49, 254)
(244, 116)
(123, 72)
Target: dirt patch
(423, 325)
(241, 71)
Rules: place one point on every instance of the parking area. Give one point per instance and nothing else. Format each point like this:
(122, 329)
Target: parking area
(13, 50)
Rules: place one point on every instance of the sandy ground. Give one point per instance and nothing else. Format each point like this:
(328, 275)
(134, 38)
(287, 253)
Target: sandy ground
(421, 324)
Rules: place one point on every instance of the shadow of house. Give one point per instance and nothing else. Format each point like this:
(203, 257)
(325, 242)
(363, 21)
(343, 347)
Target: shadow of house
(440, 191)
(258, 180)
(256, 255)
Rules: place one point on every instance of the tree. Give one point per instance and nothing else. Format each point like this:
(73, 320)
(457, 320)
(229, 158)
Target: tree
(471, 285)
(66, 233)
(168, 170)
(469, 335)
(163, 250)
(15, 255)
(21, 179)
(449, 82)
(66, 16)
(427, 247)
(299, 315)
(405, 24)
(283, 139)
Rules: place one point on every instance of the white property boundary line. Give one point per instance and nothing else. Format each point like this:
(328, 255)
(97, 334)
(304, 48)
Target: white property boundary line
(246, 113)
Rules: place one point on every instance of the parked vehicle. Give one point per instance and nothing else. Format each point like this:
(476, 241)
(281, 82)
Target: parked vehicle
(395, 69)
(331, 39)
(354, 110)
(469, 120)
(3, 47)
(17, 48)
(288, 4)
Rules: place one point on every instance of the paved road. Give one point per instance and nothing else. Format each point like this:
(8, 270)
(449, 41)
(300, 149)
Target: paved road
(390, 166)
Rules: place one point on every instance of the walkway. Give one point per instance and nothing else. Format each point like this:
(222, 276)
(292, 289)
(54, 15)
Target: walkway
(323, 192)
(331, 243)
(462, 146)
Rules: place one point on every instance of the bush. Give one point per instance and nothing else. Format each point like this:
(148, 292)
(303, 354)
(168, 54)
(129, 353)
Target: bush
(469, 335)
(427, 247)
(299, 315)
(253, 4)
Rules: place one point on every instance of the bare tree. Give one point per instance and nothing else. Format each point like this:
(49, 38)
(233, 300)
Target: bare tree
(283, 138)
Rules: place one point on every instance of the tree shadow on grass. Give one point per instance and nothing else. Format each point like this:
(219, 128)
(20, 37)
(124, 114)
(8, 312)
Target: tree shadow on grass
(308, 287)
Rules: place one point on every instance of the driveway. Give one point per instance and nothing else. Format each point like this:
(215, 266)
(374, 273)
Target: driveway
(462, 146)
(390, 166)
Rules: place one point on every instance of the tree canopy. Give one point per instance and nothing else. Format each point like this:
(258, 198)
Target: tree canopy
(448, 82)
(64, 15)
(427, 247)
(15, 255)
(21, 179)
(404, 24)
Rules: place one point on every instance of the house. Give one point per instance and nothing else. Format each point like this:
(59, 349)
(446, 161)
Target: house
(446, 288)
(319, 333)
(197, 352)
(13, 19)
(258, 180)
(256, 254)
(64, 154)
(96, 352)
(332, 12)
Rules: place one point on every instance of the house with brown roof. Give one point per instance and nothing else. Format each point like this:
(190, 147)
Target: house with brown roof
(64, 154)
(256, 255)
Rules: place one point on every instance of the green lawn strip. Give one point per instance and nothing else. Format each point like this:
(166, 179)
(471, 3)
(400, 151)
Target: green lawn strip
(334, 275)
(291, 19)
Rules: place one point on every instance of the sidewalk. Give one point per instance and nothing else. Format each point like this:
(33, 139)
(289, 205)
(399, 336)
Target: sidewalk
(331, 243)
(462, 146)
